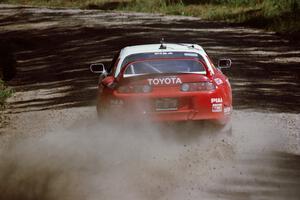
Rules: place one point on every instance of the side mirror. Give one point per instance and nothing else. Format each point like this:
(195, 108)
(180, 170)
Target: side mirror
(98, 68)
(224, 63)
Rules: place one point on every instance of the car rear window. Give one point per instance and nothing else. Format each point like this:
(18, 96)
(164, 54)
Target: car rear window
(157, 66)
(158, 55)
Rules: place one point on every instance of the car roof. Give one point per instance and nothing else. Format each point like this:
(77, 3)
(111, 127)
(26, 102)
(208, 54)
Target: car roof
(150, 48)
(167, 47)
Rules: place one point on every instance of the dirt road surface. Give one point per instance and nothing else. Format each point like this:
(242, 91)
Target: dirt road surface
(52, 146)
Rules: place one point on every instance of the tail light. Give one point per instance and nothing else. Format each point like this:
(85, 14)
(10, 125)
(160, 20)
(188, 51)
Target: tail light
(201, 86)
(135, 89)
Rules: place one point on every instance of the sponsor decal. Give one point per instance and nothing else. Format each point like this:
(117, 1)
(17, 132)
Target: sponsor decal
(163, 53)
(164, 81)
(216, 107)
(216, 100)
(218, 81)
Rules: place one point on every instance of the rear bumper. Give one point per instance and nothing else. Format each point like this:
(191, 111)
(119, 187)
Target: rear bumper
(170, 116)
(191, 106)
(188, 115)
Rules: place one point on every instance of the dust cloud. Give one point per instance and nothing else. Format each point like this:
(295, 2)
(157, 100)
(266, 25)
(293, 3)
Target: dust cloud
(102, 160)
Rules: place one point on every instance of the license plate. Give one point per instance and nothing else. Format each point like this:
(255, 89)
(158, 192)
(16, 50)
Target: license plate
(166, 104)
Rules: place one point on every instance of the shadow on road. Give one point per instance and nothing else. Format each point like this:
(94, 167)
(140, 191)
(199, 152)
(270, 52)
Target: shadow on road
(54, 48)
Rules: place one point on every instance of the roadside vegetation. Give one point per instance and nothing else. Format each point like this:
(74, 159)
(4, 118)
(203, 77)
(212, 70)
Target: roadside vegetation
(5, 93)
(7, 70)
(278, 15)
(282, 16)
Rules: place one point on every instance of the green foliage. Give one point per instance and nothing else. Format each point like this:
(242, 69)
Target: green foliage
(4, 93)
(278, 15)
(162, 6)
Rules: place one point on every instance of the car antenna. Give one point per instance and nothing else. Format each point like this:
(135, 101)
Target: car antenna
(162, 45)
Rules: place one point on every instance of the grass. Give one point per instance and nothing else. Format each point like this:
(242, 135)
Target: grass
(282, 16)
(5, 93)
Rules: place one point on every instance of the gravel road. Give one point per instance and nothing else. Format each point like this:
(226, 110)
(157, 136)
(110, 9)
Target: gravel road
(53, 147)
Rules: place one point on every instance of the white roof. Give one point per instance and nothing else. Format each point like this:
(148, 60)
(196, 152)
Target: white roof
(169, 47)
(150, 48)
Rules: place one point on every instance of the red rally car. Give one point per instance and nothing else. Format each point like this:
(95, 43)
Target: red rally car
(165, 82)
